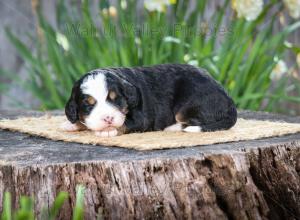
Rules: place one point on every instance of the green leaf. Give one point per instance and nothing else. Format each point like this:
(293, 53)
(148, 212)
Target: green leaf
(7, 212)
(57, 205)
(26, 211)
(78, 209)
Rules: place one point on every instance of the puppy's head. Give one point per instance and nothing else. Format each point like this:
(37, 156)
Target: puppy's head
(101, 100)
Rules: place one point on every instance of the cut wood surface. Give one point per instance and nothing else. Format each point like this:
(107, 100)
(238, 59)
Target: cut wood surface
(257, 179)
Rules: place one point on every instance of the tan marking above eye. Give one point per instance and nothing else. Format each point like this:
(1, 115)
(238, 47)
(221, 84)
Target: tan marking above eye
(112, 95)
(91, 100)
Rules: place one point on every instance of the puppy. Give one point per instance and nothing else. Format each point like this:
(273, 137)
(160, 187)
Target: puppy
(171, 97)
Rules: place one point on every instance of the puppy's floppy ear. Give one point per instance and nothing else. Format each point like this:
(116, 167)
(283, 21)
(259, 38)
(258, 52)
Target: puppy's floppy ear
(131, 94)
(71, 108)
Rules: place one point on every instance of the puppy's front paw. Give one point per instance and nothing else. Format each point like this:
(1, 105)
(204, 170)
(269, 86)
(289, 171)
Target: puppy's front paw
(108, 133)
(68, 126)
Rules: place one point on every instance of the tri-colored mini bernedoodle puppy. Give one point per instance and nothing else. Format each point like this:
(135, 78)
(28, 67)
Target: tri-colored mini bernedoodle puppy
(170, 97)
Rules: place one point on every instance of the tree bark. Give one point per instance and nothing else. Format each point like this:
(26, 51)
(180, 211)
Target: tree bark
(241, 180)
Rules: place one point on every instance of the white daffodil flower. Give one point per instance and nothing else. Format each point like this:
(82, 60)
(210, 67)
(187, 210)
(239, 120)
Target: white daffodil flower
(248, 9)
(279, 71)
(158, 5)
(293, 7)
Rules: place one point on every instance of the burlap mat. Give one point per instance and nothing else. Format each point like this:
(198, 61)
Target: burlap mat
(49, 127)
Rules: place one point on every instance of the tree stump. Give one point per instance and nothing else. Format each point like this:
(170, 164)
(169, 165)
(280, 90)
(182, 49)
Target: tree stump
(240, 180)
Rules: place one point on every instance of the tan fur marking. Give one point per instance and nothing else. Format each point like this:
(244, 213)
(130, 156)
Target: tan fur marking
(91, 100)
(179, 117)
(112, 95)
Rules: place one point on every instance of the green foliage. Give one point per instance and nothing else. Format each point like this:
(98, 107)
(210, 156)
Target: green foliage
(6, 213)
(26, 207)
(78, 211)
(58, 203)
(241, 57)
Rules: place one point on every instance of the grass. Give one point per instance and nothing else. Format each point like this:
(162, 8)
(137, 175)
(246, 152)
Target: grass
(26, 207)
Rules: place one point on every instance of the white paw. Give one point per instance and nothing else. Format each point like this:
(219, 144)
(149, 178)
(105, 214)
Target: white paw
(110, 133)
(68, 126)
(192, 129)
(174, 127)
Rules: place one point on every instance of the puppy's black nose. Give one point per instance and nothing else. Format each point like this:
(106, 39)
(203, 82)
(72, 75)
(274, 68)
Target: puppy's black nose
(108, 119)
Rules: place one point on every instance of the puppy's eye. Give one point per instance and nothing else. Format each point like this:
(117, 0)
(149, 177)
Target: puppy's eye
(90, 100)
(112, 95)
